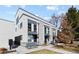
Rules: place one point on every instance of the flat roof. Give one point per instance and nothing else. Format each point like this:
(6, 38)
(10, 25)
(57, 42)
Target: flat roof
(6, 20)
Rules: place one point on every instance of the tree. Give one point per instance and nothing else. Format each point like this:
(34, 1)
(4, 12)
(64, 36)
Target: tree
(73, 18)
(65, 35)
(56, 20)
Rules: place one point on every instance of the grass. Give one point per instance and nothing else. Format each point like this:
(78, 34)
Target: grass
(43, 51)
(44, 45)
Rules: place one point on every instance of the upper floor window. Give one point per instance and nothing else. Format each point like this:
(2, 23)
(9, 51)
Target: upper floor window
(21, 25)
(46, 30)
(32, 26)
(29, 27)
(35, 28)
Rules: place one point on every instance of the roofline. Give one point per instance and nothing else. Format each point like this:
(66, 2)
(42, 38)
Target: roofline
(17, 11)
(30, 13)
(6, 20)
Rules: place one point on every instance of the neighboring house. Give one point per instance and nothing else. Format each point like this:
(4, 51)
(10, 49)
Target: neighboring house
(30, 27)
(6, 32)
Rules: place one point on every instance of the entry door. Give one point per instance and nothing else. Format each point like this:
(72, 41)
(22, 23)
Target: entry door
(35, 38)
(46, 39)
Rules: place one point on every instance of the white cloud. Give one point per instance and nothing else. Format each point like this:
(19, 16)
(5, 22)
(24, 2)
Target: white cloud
(61, 12)
(22, 6)
(46, 18)
(7, 6)
(40, 5)
(36, 14)
(52, 7)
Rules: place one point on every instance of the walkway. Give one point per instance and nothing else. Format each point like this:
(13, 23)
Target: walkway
(23, 50)
(60, 51)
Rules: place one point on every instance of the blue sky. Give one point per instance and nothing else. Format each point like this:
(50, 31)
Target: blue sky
(45, 11)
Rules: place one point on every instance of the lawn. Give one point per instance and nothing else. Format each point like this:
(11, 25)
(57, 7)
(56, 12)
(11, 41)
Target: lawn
(43, 51)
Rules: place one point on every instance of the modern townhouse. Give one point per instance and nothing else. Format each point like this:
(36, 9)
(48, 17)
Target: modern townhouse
(27, 28)
(31, 28)
(6, 32)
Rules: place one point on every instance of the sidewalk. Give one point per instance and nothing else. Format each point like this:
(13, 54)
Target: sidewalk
(23, 50)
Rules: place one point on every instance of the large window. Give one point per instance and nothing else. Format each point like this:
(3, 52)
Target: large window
(35, 28)
(29, 27)
(32, 26)
(46, 30)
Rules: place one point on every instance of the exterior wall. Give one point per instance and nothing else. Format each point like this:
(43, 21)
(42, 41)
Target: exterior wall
(41, 33)
(51, 34)
(24, 16)
(24, 30)
(6, 32)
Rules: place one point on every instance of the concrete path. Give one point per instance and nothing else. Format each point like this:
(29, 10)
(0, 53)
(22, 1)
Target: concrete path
(60, 51)
(23, 50)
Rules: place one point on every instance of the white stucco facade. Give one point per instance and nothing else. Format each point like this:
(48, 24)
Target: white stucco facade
(6, 32)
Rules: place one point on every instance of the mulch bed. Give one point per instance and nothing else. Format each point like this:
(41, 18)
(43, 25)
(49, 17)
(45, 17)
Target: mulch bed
(3, 50)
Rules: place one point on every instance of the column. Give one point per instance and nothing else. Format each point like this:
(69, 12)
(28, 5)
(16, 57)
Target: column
(32, 27)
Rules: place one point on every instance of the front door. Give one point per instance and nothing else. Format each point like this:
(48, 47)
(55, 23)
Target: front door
(35, 38)
(46, 39)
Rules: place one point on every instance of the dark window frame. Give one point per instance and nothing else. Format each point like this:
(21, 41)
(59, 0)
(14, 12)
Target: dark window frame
(35, 27)
(21, 25)
(45, 29)
(29, 27)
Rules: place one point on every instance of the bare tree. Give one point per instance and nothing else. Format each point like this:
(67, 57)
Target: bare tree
(56, 20)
